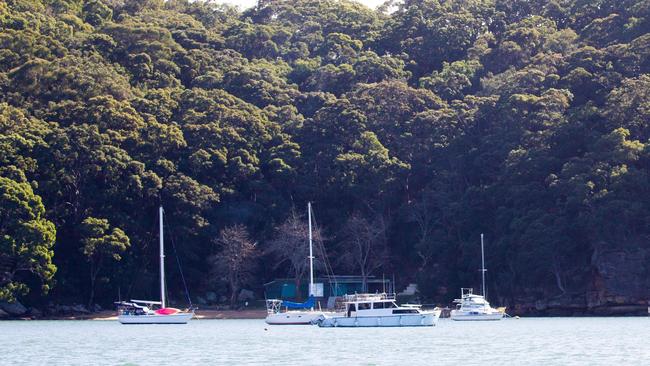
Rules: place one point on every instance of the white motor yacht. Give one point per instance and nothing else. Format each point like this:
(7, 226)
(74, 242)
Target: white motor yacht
(474, 307)
(378, 310)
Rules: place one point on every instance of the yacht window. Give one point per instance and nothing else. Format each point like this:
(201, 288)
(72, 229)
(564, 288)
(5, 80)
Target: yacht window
(378, 305)
(405, 311)
(363, 306)
(390, 305)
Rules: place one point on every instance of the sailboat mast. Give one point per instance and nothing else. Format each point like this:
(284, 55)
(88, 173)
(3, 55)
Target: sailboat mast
(162, 260)
(483, 270)
(311, 254)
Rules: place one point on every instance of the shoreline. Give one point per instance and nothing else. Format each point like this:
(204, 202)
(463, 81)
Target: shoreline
(111, 315)
(207, 314)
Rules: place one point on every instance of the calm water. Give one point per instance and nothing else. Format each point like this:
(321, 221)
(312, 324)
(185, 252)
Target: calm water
(541, 341)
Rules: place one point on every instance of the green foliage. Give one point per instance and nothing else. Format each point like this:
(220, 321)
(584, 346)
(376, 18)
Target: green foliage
(99, 241)
(26, 239)
(524, 120)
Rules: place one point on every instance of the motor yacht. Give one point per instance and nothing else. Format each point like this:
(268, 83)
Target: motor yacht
(474, 307)
(378, 310)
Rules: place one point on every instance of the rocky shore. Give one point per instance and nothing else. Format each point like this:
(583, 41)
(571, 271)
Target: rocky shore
(594, 303)
(579, 306)
(17, 311)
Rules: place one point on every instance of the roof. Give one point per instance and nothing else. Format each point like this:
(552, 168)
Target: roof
(337, 279)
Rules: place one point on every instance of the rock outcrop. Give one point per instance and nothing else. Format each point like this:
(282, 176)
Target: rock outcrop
(13, 308)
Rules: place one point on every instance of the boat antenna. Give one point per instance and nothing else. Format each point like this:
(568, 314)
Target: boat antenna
(483, 269)
(162, 259)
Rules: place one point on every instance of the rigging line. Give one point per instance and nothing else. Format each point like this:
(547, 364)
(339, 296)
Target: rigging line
(321, 247)
(180, 269)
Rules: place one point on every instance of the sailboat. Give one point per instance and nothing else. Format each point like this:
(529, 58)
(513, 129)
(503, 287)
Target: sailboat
(476, 307)
(282, 312)
(143, 311)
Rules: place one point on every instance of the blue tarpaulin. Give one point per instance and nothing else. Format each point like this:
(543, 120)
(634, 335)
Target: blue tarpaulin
(310, 303)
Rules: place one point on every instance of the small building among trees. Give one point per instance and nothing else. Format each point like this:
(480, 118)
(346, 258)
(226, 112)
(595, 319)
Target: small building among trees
(327, 288)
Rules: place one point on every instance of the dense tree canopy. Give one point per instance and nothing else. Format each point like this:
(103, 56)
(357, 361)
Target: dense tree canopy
(528, 121)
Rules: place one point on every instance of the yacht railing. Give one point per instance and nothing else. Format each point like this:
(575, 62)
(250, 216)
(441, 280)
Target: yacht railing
(273, 306)
(369, 297)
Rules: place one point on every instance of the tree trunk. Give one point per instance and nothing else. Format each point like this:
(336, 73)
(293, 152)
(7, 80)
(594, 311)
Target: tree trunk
(234, 287)
(557, 272)
(93, 277)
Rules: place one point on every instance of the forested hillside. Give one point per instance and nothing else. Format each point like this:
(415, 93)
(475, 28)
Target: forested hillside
(412, 128)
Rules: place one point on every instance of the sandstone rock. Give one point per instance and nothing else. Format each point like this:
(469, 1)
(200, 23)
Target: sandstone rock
(620, 310)
(245, 295)
(14, 308)
(594, 299)
(35, 312)
(622, 274)
(63, 309)
(80, 309)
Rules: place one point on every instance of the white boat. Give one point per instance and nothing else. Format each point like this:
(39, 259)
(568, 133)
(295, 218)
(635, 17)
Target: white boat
(279, 313)
(282, 312)
(379, 310)
(142, 311)
(472, 307)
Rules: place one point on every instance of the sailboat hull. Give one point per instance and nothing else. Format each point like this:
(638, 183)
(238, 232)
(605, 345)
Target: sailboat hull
(178, 318)
(294, 317)
(474, 316)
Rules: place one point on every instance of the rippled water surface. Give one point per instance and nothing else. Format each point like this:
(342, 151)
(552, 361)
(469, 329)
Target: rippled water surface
(532, 341)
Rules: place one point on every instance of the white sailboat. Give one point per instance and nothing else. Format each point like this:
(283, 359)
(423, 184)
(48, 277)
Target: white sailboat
(282, 312)
(142, 311)
(472, 307)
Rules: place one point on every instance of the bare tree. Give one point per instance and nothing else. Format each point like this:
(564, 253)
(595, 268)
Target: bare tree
(365, 246)
(290, 245)
(236, 259)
